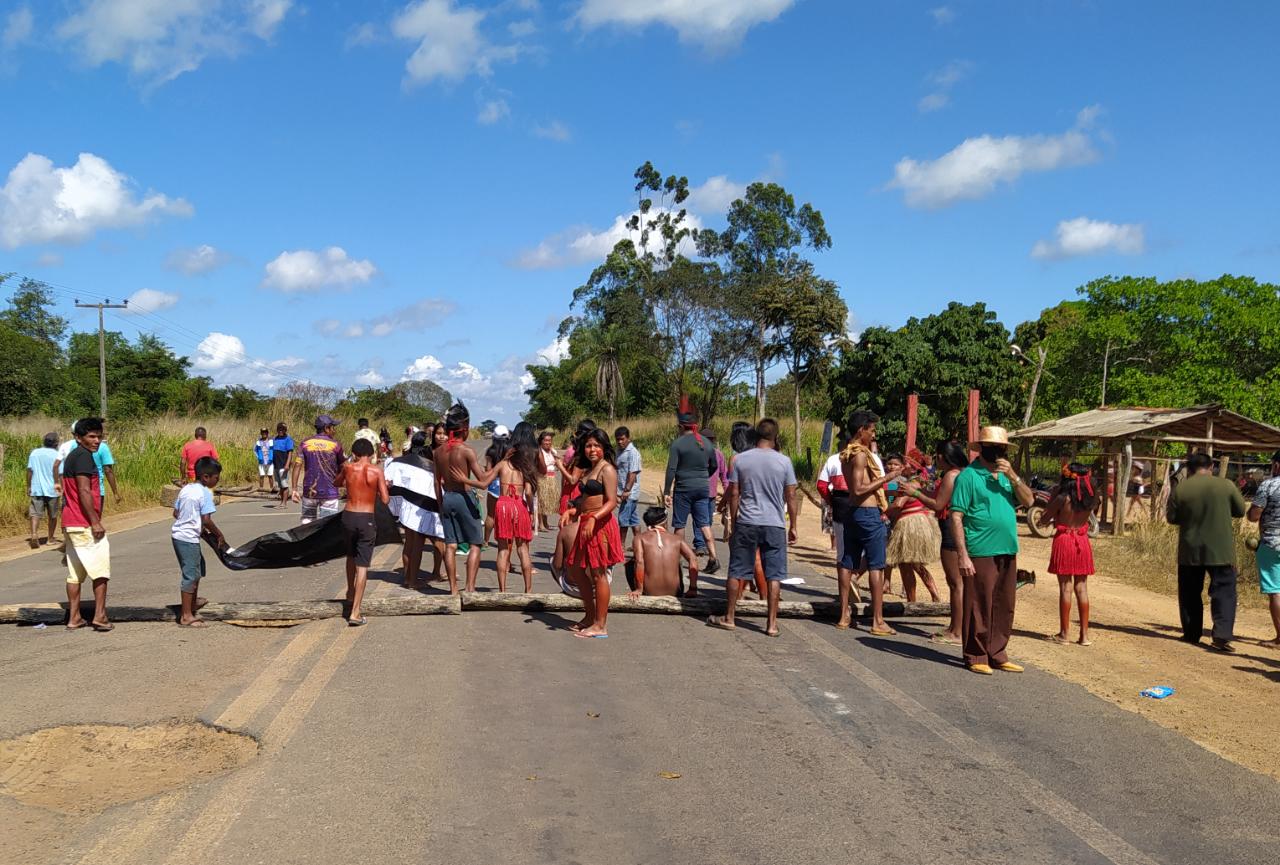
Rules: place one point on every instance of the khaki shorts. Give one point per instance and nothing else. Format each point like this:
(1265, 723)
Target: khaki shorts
(87, 559)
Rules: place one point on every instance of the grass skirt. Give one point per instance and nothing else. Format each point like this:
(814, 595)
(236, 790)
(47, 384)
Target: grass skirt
(916, 539)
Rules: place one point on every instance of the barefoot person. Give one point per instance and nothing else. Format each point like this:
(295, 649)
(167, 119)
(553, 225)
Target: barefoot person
(365, 485)
(570, 474)
(598, 545)
(1265, 511)
(1071, 558)
(864, 527)
(985, 525)
(518, 474)
(411, 484)
(88, 548)
(192, 518)
(657, 555)
(762, 483)
(458, 474)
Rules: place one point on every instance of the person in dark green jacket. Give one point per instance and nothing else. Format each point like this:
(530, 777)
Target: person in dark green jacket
(1203, 507)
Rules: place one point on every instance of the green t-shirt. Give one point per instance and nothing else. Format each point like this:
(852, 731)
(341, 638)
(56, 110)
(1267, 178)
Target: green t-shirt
(1203, 507)
(987, 503)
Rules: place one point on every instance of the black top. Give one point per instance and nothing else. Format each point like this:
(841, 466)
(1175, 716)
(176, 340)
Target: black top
(591, 487)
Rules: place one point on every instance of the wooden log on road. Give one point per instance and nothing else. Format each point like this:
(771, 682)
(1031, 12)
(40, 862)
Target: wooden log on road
(702, 606)
(255, 611)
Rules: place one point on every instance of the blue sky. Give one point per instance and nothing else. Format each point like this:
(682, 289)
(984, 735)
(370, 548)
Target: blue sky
(353, 192)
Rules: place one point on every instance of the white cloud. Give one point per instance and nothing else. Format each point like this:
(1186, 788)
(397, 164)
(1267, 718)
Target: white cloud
(49, 259)
(17, 28)
(150, 300)
(370, 378)
(492, 111)
(222, 356)
(426, 366)
(450, 44)
(583, 245)
(1083, 236)
(715, 23)
(196, 260)
(158, 40)
(361, 35)
(942, 15)
(554, 352)
(521, 29)
(413, 318)
(978, 165)
(43, 204)
(553, 131)
(942, 82)
(309, 270)
(715, 195)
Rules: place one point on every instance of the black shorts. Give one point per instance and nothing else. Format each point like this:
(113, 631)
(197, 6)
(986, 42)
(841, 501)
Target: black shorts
(948, 536)
(361, 532)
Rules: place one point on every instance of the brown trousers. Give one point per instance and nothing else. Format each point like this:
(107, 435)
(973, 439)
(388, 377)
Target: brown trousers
(989, 596)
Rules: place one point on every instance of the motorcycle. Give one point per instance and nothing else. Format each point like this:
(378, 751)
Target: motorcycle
(1043, 495)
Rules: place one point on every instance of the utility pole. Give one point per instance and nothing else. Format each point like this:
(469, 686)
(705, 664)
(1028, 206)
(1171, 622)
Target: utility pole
(102, 345)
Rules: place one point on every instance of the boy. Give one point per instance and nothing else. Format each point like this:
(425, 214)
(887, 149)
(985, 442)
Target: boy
(263, 451)
(657, 556)
(88, 548)
(365, 483)
(281, 451)
(192, 517)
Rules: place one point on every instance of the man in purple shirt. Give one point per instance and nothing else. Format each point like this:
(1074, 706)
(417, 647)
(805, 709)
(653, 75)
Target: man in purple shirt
(316, 465)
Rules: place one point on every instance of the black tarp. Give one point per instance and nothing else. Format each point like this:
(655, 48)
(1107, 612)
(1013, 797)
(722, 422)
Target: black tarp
(316, 542)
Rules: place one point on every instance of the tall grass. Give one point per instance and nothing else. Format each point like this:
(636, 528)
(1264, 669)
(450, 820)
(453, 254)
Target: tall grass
(1148, 556)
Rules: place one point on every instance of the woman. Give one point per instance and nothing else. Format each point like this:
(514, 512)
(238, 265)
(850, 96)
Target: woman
(569, 475)
(598, 546)
(518, 475)
(411, 482)
(718, 482)
(439, 435)
(494, 455)
(548, 489)
(914, 538)
(1071, 558)
(952, 459)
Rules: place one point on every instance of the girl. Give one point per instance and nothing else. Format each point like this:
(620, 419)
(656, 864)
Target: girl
(494, 455)
(569, 477)
(518, 477)
(598, 545)
(952, 459)
(1072, 557)
(914, 538)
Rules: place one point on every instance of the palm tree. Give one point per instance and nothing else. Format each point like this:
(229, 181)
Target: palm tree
(601, 349)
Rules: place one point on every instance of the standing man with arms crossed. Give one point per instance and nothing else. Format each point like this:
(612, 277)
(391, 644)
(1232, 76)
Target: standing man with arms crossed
(315, 468)
(761, 483)
(985, 525)
(1203, 507)
(628, 461)
(455, 465)
(88, 550)
(43, 489)
(690, 462)
(1265, 512)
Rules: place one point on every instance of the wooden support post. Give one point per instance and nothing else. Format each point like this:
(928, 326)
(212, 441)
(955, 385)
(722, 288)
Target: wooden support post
(1117, 496)
(1208, 433)
(975, 398)
(1122, 485)
(1158, 500)
(913, 411)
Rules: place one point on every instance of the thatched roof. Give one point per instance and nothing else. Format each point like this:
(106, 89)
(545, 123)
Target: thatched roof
(1202, 424)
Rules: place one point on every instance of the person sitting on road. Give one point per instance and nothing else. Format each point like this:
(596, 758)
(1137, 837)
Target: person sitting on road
(657, 555)
(365, 484)
(193, 518)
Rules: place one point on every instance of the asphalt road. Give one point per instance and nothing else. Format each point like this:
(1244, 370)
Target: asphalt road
(498, 737)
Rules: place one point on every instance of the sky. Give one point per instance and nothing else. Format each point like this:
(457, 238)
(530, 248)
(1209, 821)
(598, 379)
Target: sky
(355, 193)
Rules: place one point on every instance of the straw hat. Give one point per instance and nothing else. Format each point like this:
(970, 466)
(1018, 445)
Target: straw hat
(993, 435)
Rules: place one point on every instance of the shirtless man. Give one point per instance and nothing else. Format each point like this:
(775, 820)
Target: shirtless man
(657, 554)
(864, 528)
(456, 464)
(365, 485)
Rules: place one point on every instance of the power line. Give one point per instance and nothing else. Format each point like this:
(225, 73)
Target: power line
(102, 345)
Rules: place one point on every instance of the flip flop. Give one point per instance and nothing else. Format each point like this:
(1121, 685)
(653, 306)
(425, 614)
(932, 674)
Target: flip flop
(102, 629)
(198, 623)
(583, 636)
(201, 603)
(843, 626)
(1057, 638)
(1084, 642)
(883, 632)
(356, 623)
(77, 627)
(719, 622)
(773, 633)
(1269, 644)
(939, 637)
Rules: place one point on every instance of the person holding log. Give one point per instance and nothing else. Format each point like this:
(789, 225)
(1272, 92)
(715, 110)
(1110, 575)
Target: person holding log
(598, 545)
(657, 555)
(365, 485)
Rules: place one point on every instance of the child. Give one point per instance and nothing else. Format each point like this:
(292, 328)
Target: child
(192, 517)
(263, 450)
(1072, 557)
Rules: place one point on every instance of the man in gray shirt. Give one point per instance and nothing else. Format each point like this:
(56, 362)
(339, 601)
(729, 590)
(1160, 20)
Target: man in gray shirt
(690, 461)
(761, 482)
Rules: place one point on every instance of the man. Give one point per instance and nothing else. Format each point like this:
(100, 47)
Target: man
(88, 550)
(263, 450)
(43, 489)
(315, 470)
(865, 530)
(455, 465)
(1265, 512)
(628, 463)
(985, 525)
(761, 482)
(196, 449)
(64, 450)
(834, 490)
(106, 463)
(281, 452)
(1202, 507)
(657, 556)
(365, 485)
(364, 432)
(690, 461)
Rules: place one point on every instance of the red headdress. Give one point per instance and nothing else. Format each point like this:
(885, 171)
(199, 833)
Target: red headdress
(686, 417)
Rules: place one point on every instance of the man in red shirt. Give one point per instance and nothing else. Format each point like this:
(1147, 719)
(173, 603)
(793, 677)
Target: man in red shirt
(194, 450)
(88, 551)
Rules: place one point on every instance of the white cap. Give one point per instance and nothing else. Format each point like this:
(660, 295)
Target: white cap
(500, 431)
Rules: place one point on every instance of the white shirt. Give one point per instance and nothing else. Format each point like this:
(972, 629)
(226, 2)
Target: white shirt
(194, 501)
(832, 468)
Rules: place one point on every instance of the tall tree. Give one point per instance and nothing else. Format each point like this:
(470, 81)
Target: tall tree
(31, 313)
(761, 246)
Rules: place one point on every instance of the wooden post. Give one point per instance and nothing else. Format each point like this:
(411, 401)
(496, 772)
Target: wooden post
(974, 398)
(1122, 485)
(1117, 498)
(1158, 501)
(913, 409)
(1223, 464)
(1208, 433)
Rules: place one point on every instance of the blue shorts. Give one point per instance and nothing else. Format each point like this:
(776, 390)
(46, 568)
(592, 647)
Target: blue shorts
(697, 503)
(864, 534)
(190, 562)
(461, 517)
(771, 541)
(627, 511)
(1268, 570)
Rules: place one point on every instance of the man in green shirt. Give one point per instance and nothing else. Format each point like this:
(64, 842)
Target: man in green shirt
(985, 524)
(1203, 507)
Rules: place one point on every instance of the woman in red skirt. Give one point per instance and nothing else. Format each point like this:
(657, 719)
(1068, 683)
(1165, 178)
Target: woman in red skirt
(512, 518)
(598, 545)
(1072, 557)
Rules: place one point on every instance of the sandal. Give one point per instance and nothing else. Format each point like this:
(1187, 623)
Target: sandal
(883, 632)
(77, 627)
(102, 627)
(944, 638)
(1057, 638)
(719, 622)
(195, 623)
(355, 623)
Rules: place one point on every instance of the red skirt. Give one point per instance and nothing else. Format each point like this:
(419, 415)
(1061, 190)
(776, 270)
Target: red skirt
(600, 549)
(1072, 555)
(566, 495)
(511, 521)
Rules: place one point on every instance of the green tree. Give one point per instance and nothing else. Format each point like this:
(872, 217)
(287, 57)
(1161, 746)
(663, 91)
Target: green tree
(30, 312)
(760, 247)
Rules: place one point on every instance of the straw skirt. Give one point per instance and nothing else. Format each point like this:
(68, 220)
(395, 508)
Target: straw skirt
(916, 539)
